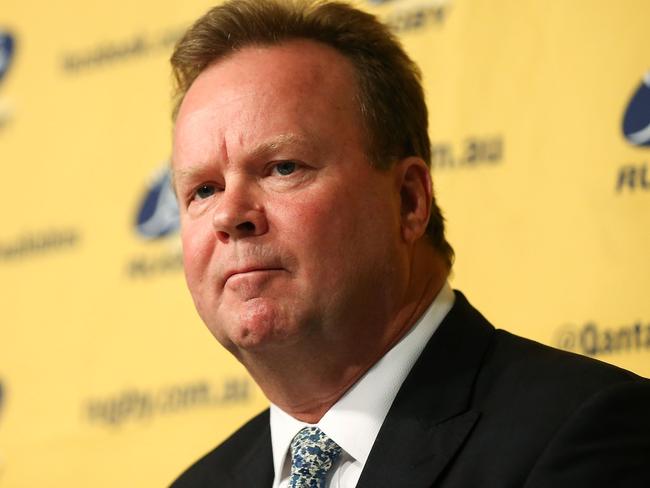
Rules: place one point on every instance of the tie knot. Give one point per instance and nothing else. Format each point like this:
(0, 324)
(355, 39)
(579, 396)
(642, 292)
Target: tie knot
(312, 456)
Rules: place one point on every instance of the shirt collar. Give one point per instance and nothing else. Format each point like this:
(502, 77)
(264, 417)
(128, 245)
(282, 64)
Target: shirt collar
(354, 421)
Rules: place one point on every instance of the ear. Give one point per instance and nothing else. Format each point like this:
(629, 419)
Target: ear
(415, 189)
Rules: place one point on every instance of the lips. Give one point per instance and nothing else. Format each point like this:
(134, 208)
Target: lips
(248, 269)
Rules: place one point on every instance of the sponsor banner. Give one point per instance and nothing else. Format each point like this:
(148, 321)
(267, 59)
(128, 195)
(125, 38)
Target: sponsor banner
(2, 400)
(636, 121)
(157, 219)
(634, 176)
(406, 17)
(7, 46)
(138, 405)
(113, 52)
(31, 244)
(539, 121)
(592, 339)
(7, 50)
(472, 152)
(158, 213)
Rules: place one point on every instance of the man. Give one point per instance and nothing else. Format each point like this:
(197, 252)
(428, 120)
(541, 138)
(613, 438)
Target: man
(315, 253)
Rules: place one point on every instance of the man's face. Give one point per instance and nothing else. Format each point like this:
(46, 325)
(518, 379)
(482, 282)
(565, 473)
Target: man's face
(288, 232)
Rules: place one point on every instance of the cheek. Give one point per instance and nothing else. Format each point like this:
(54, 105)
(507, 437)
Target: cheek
(197, 249)
(309, 222)
(339, 218)
(318, 229)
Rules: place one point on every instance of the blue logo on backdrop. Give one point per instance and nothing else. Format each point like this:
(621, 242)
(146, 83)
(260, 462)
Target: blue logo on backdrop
(158, 215)
(7, 44)
(636, 122)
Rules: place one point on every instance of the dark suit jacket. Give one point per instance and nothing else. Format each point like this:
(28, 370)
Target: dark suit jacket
(482, 408)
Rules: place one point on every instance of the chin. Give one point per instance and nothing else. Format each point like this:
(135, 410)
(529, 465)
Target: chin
(258, 325)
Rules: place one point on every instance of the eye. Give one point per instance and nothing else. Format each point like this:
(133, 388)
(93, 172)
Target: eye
(205, 191)
(285, 168)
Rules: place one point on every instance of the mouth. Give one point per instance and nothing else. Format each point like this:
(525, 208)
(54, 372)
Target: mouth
(249, 271)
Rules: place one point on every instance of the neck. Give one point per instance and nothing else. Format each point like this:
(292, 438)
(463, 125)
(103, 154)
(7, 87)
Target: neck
(309, 390)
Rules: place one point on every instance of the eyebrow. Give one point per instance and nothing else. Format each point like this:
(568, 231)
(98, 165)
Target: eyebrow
(277, 142)
(261, 150)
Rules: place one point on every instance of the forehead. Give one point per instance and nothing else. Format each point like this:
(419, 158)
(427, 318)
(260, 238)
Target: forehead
(300, 83)
(297, 61)
(290, 71)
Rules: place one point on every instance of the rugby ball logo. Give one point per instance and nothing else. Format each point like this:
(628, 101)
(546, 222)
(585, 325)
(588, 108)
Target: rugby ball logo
(636, 121)
(7, 46)
(158, 214)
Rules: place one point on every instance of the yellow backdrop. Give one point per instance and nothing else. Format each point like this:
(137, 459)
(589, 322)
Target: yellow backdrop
(539, 118)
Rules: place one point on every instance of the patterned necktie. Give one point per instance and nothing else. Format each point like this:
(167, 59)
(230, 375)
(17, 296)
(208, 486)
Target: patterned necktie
(312, 455)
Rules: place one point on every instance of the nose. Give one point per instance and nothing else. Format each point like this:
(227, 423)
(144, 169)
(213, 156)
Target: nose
(238, 215)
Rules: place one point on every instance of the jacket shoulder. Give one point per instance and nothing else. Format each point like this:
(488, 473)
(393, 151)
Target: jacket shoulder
(541, 409)
(547, 365)
(528, 373)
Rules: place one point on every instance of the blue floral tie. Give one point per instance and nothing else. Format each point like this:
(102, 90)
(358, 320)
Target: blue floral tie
(312, 455)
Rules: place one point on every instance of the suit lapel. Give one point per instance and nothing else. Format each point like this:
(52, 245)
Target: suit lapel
(255, 467)
(430, 417)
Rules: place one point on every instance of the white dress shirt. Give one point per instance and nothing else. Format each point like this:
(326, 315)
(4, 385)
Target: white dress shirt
(354, 421)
